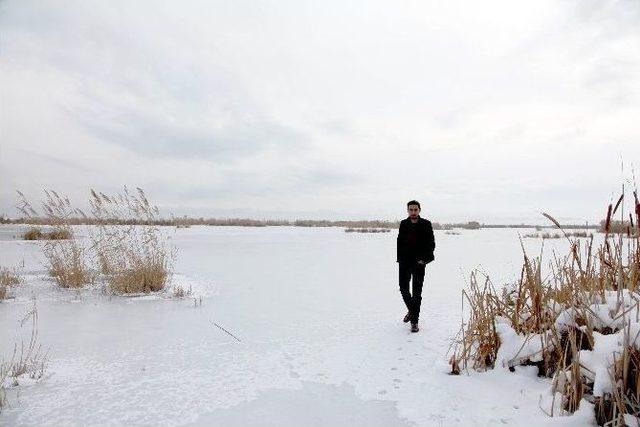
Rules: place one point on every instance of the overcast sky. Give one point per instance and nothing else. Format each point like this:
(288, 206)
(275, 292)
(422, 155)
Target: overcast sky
(491, 111)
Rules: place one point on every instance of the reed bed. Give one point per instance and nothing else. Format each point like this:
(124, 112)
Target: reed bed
(127, 251)
(67, 258)
(586, 308)
(133, 258)
(35, 233)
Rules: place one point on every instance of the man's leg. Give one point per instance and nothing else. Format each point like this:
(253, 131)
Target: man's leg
(416, 299)
(404, 277)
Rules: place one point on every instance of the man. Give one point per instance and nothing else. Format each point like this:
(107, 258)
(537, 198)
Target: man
(415, 250)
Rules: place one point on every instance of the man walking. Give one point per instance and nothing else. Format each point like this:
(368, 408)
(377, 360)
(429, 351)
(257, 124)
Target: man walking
(415, 250)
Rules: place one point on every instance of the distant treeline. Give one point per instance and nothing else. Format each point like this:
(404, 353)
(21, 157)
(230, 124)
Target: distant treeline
(185, 222)
(539, 227)
(367, 230)
(618, 227)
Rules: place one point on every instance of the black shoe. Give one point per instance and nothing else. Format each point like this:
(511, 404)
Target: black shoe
(407, 318)
(414, 327)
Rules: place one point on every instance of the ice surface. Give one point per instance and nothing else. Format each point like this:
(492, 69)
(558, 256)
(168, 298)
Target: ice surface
(319, 318)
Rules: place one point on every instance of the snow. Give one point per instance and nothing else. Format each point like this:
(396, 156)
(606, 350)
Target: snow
(319, 318)
(515, 349)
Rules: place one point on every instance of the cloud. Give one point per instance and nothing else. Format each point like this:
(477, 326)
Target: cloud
(56, 161)
(356, 106)
(156, 137)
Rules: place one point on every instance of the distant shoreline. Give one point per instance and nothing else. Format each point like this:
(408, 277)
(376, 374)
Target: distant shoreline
(185, 222)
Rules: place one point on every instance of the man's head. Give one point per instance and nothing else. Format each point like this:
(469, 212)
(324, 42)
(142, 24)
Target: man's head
(413, 209)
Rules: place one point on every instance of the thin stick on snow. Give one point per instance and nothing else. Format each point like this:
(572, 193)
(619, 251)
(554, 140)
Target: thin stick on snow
(226, 331)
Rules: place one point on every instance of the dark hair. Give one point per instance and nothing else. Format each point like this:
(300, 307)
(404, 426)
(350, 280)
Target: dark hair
(414, 202)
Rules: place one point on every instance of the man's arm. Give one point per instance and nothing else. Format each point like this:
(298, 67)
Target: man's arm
(431, 238)
(398, 242)
(431, 243)
(428, 244)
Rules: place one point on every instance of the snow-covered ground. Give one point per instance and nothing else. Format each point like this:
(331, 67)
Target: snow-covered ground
(319, 318)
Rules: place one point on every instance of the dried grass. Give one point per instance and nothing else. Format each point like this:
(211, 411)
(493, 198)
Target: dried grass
(481, 342)
(67, 258)
(68, 264)
(134, 258)
(9, 278)
(127, 248)
(34, 233)
(585, 276)
(143, 276)
(181, 292)
(27, 360)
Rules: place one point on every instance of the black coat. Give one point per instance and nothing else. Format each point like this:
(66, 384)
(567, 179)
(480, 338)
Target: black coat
(416, 241)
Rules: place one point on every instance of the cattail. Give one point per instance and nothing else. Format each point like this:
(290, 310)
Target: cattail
(635, 196)
(618, 203)
(607, 224)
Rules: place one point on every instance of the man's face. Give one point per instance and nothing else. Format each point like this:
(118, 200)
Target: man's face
(413, 211)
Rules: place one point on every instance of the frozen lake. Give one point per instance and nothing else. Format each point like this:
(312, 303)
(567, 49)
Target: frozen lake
(319, 318)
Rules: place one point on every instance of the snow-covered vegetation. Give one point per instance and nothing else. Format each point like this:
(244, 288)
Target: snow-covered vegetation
(130, 258)
(579, 324)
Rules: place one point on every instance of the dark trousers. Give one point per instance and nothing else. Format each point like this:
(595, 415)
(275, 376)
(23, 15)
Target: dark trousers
(412, 300)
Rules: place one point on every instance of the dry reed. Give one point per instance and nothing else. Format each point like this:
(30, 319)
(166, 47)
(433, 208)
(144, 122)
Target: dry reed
(8, 278)
(181, 292)
(591, 290)
(67, 258)
(34, 233)
(27, 360)
(134, 258)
